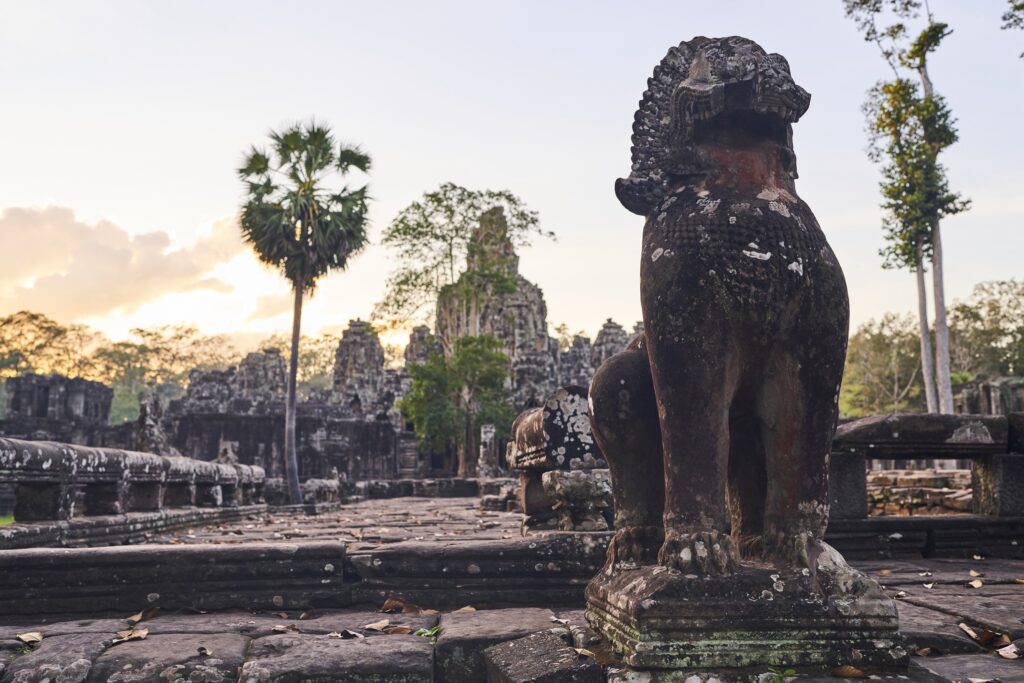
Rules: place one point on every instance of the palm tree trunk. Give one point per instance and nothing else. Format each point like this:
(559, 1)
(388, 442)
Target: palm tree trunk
(942, 373)
(291, 455)
(927, 358)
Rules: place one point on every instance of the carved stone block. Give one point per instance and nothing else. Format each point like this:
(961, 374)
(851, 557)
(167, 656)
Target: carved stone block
(998, 485)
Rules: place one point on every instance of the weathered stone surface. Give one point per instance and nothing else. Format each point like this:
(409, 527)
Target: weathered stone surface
(998, 485)
(540, 658)
(997, 608)
(451, 573)
(611, 339)
(825, 616)
(262, 377)
(65, 658)
(256, 576)
(1015, 438)
(291, 658)
(922, 627)
(56, 408)
(987, 667)
(172, 659)
(556, 435)
(725, 408)
(359, 370)
(582, 498)
(847, 486)
(923, 436)
(459, 654)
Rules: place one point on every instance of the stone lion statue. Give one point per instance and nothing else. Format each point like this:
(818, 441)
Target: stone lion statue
(717, 420)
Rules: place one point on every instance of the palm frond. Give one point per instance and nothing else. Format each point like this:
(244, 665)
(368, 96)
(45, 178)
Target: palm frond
(350, 156)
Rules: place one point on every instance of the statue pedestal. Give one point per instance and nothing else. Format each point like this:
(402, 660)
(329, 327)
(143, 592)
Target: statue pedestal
(659, 618)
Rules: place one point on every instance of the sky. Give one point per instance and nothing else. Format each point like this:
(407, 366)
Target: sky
(122, 123)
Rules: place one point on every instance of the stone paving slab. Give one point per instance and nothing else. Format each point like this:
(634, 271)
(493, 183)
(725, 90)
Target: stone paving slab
(291, 658)
(206, 657)
(364, 524)
(465, 635)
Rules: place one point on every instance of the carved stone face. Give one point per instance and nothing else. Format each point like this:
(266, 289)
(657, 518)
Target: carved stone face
(734, 94)
(710, 93)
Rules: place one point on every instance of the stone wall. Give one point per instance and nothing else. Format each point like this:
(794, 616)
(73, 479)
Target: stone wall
(56, 408)
(1001, 396)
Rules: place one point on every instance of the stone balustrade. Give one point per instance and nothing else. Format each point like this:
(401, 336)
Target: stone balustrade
(993, 443)
(59, 482)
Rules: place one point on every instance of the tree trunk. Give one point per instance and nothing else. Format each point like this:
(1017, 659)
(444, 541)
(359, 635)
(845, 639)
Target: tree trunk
(291, 455)
(942, 374)
(927, 358)
(469, 449)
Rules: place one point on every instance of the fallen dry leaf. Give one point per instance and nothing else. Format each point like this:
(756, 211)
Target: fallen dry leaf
(467, 608)
(31, 637)
(885, 572)
(848, 671)
(1018, 580)
(136, 633)
(968, 630)
(974, 573)
(584, 652)
(563, 622)
(396, 605)
(929, 585)
(1009, 652)
(307, 615)
(398, 630)
(281, 628)
(927, 652)
(978, 557)
(977, 583)
(377, 625)
(143, 615)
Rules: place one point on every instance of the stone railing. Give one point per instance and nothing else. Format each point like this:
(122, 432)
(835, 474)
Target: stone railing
(60, 482)
(993, 443)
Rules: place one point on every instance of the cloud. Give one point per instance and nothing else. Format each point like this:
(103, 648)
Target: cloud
(272, 305)
(69, 270)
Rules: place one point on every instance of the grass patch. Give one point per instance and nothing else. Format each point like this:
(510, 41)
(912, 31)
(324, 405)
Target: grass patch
(4, 521)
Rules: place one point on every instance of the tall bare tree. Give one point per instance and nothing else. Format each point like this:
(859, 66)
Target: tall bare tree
(910, 125)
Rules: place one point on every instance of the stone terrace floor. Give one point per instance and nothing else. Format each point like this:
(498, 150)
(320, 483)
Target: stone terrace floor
(952, 627)
(365, 524)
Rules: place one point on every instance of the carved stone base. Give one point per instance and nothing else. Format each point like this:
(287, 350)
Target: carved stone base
(662, 619)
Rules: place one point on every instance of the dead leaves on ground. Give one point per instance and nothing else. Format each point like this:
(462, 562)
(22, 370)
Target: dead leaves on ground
(134, 633)
(992, 639)
(848, 671)
(400, 606)
(385, 626)
(143, 615)
(30, 638)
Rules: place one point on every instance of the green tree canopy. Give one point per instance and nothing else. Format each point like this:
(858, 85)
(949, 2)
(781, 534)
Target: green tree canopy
(431, 240)
(883, 365)
(988, 331)
(907, 132)
(451, 397)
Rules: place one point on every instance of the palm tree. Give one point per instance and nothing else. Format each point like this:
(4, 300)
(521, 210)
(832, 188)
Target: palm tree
(297, 224)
